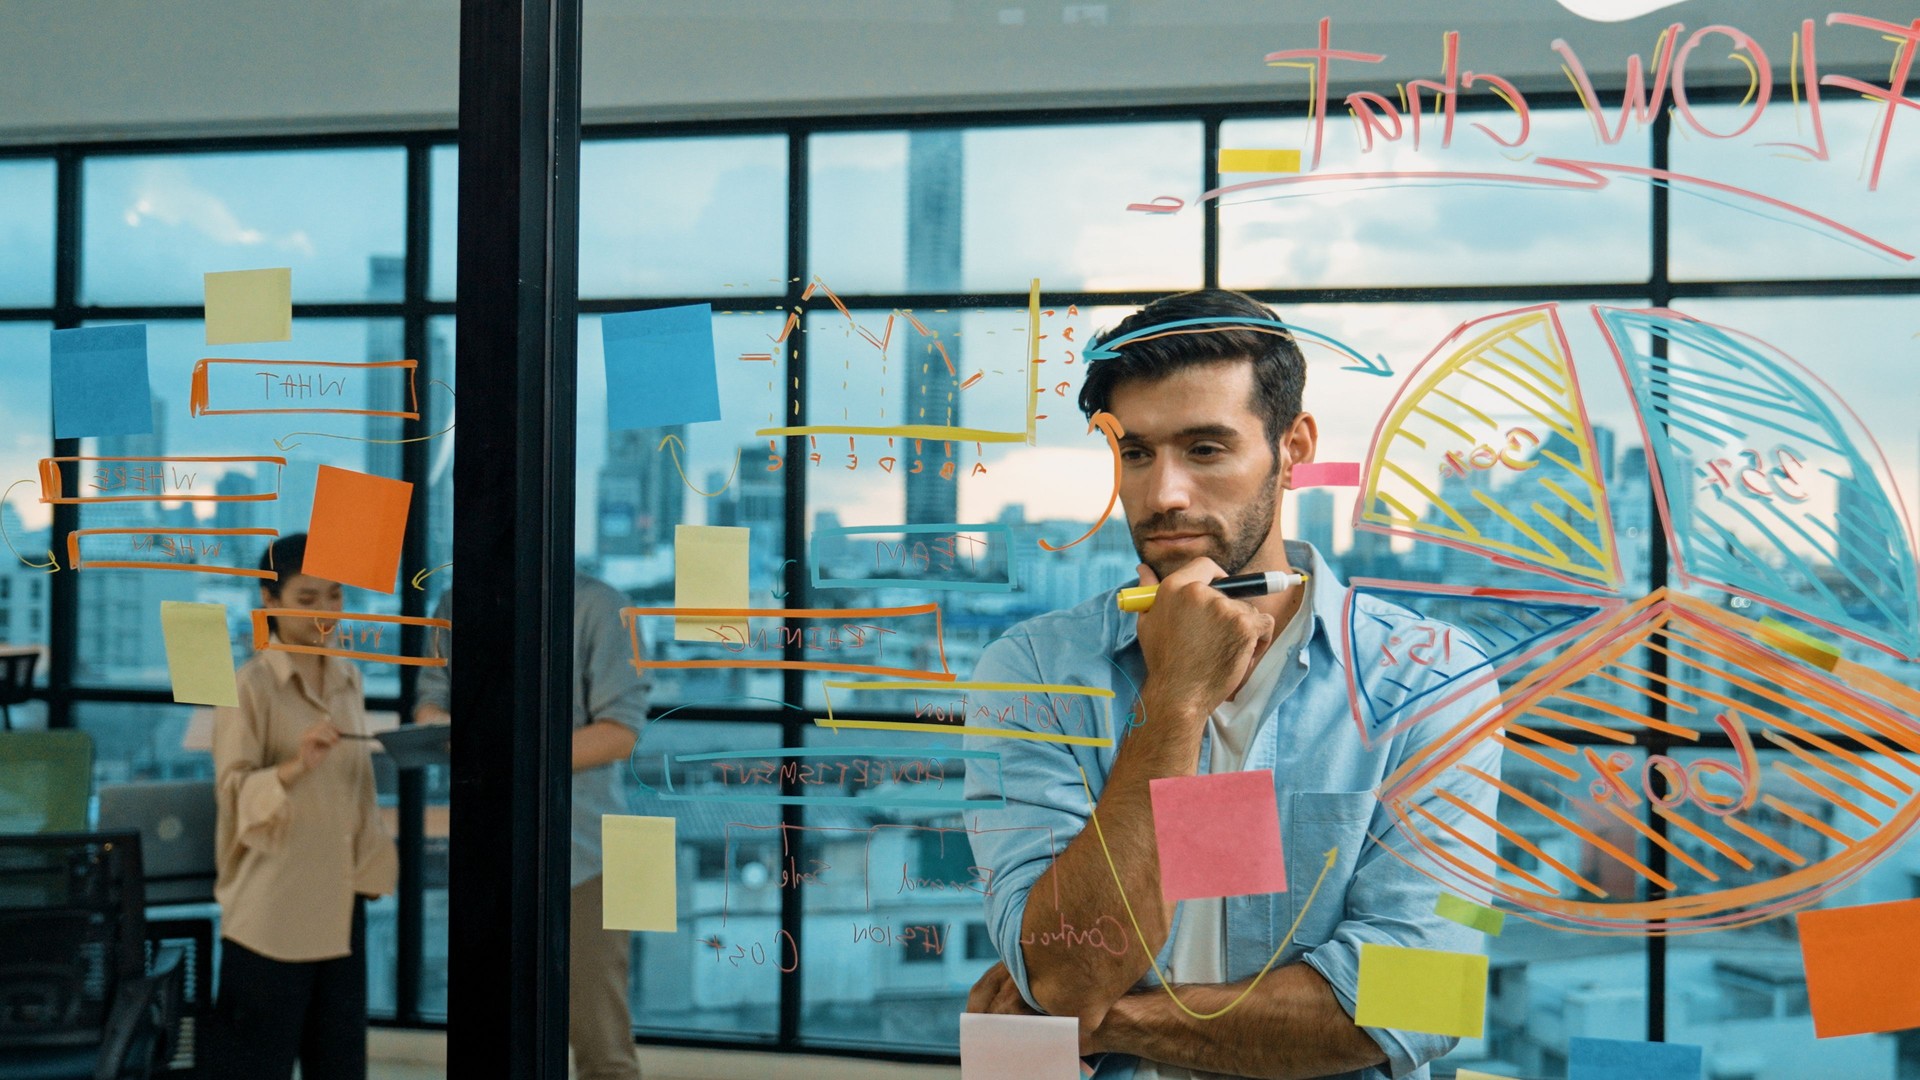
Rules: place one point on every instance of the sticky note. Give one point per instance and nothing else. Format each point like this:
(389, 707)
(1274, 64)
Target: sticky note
(1476, 1074)
(660, 367)
(199, 655)
(1441, 993)
(1264, 161)
(1218, 835)
(1863, 967)
(100, 382)
(1820, 654)
(997, 1047)
(358, 523)
(249, 305)
(1467, 913)
(710, 571)
(637, 885)
(1310, 474)
(1621, 1059)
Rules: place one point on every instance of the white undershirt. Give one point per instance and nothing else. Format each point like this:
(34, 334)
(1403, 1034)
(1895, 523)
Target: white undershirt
(1200, 942)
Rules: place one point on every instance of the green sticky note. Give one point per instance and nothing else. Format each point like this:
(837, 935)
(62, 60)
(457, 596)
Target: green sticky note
(1467, 913)
(1801, 644)
(1440, 993)
(249, 305)
(637, 876)
(199, 655)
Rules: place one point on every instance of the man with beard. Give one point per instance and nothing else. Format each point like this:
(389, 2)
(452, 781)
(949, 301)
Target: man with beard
(1213, 427)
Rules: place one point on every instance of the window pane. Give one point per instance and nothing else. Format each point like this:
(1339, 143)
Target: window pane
(153, 225)
(939, 210)
(119, 639)
(26, 233)
(683, 217)
(26, 436)
(634, 487)
(443, 228)
(1378, 229)
(890, 902)
(1721, 235)
(1742, 993)
(720, 973)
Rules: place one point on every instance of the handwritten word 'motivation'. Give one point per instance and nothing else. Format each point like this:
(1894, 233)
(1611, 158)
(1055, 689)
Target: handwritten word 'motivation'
(856, 772)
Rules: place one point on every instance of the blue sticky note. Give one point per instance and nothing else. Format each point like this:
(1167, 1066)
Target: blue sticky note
(660, 367)
(100, 382)
(1619, 1059)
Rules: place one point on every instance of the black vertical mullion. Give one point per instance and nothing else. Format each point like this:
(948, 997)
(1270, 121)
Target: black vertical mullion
(63, 591)
(1655, 740)
(414, 462)
(1210, 208)
(793, 724)
(518, 302)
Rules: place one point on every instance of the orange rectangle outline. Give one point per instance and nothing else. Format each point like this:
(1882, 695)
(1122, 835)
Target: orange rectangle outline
(197, 392)
(263, 643)
(50, 489)
(630, 616)
(74, 563)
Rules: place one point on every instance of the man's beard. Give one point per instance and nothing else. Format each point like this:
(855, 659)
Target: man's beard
(1233, 549)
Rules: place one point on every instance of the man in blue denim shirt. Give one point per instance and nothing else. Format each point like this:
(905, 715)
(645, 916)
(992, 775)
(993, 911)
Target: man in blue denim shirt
(1213, 426)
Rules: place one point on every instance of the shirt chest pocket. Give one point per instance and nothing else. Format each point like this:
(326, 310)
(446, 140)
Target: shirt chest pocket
(1316, 822)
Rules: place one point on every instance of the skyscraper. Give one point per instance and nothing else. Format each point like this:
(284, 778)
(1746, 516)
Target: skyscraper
(935, 175)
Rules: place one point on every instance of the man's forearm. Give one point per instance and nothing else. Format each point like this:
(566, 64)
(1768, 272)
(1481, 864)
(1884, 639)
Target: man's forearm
(601, 742)
(1290, 1026)
(1070, 970)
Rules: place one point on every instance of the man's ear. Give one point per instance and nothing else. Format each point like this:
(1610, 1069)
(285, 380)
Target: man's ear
(1297, 445)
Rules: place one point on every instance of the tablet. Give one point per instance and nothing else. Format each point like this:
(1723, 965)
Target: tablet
(414, 746)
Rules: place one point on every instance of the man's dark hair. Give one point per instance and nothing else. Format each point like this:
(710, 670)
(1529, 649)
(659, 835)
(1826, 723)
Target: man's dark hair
(1279, 369)
(286, 557)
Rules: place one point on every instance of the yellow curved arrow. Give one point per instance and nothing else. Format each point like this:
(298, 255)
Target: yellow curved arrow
(425, 574)
(675, 439)
(1325, 868)
(52, 565)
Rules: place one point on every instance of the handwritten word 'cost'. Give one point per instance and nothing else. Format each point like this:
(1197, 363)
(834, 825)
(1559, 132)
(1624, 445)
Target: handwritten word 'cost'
(1683, 782)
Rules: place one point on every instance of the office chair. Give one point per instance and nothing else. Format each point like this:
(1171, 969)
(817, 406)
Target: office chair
(46, 779)
(78, 1000)
(16, 681)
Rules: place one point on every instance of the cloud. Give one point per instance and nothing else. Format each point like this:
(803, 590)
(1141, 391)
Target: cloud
(167, 196)
(1615, 10)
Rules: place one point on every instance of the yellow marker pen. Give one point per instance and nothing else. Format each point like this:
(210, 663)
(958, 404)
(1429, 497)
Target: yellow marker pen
(1140, 597)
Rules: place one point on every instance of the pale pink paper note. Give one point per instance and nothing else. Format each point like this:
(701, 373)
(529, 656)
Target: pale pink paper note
(1218, 835)
(996, 1047)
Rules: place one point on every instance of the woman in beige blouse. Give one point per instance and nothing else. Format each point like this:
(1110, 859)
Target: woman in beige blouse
(301, 847)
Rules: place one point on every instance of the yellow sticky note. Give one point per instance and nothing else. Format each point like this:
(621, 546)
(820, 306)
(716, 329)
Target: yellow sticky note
(1264, 161)
(637, 885)
(1475, 1074)
(199, 654)
(1440, 993)
(710, 571)
(249, 305)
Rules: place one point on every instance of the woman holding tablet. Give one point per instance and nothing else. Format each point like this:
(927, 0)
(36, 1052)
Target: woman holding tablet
(300, 846)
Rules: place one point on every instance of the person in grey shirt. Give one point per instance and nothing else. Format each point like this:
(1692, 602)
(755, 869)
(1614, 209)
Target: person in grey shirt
(609, 707)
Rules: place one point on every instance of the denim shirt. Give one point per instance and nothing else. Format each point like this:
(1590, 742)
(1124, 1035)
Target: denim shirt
(1325, 777)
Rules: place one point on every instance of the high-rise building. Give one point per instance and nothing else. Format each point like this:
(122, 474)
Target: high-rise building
(1314, 510)
(641, 496)
(935, 178)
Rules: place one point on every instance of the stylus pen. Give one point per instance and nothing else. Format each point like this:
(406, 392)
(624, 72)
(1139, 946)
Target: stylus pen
(1140, 597)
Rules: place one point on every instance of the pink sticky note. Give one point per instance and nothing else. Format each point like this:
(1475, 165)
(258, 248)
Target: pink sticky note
(1325, 474)
(1219, 835)
(996, 1047)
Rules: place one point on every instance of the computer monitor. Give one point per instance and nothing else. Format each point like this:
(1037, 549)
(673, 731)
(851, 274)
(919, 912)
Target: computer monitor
(176, 823)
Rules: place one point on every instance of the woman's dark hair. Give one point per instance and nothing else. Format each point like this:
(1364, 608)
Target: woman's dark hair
(285, 556)
(1279, 369)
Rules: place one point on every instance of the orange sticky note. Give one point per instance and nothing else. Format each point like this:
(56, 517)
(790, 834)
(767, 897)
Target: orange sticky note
(358, 523)
(1863, 967)
(1218, 835)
